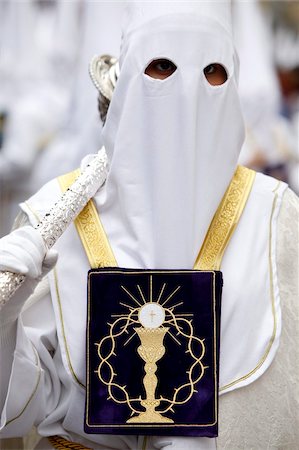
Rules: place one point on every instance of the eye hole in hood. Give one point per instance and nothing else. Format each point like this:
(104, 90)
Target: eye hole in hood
(160, 68)
(215, 74)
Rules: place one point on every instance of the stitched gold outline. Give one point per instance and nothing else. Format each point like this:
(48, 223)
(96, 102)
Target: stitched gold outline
(63, 331)
(145, 272)
(262, 360)
(37, 362)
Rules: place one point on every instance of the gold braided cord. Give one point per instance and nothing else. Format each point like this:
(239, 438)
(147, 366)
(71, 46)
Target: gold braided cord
(90, 229)
(225, 220)
(63, 444)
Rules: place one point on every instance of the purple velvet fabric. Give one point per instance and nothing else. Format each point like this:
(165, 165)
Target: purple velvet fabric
(200, 293)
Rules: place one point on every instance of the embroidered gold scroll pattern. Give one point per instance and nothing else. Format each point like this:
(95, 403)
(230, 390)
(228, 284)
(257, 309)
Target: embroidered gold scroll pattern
(225, 220)
(90, 229)
(94, 246)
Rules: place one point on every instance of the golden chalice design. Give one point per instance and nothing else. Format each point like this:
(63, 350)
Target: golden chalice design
(151, 321)
(151, 335)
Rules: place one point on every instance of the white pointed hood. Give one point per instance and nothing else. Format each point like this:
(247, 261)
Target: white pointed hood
(173, 144)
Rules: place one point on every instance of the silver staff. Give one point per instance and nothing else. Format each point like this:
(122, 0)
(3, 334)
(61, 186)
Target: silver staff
(55, 222)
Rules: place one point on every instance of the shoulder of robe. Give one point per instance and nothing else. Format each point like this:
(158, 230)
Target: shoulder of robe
(290, 206)
(288, 247)
(271, 402)
(287, 235)
(264, 184)
(287, 228)
(264, 191)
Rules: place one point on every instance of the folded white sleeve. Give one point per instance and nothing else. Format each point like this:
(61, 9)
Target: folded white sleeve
(29, 383)
(33, 383)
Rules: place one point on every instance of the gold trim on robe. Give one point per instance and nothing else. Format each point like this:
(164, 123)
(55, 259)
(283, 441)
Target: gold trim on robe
(225, 220)
(90, 229)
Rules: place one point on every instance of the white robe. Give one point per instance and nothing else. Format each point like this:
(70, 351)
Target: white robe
(47, 380)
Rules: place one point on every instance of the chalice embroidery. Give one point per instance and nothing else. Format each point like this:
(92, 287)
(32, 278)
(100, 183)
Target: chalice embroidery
(151, 318)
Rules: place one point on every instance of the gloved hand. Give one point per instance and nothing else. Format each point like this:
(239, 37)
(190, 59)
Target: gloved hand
(23, 251)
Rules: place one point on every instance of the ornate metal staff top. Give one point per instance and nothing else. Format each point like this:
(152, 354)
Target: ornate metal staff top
(55, 222)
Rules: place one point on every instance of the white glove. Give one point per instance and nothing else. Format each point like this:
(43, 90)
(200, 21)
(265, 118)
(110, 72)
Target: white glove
(24, 252)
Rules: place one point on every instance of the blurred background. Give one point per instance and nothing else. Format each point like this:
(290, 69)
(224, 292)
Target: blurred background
(48, 105)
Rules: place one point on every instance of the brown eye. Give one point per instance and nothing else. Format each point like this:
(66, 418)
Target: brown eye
(160, 69)
(215, 74)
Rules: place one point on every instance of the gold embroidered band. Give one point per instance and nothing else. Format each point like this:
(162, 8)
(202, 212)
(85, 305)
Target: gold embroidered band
(224, 222)
(90, 229)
